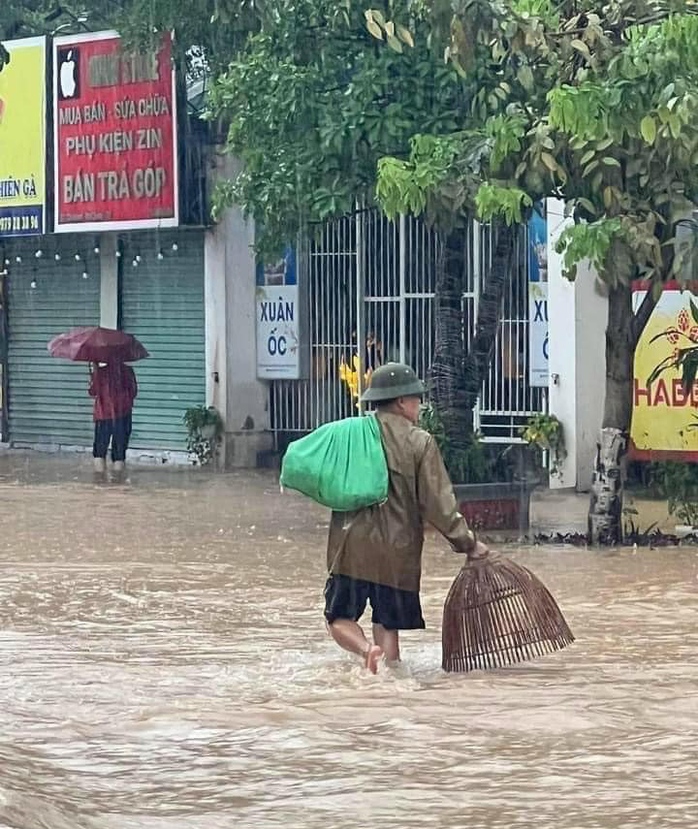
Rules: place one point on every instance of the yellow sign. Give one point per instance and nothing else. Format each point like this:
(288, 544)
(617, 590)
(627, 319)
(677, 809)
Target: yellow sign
(665, 418)
(23, 138)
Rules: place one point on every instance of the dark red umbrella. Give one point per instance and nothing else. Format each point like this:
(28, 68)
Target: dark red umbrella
(97, 345)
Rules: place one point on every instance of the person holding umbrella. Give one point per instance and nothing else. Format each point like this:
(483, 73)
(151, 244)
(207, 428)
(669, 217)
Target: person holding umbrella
(114, 388)
(112, 384)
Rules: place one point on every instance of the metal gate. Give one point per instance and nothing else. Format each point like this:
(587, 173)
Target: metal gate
(371, 282)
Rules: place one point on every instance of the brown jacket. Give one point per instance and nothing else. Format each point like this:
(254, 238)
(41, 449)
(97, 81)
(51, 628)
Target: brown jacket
(383, 543)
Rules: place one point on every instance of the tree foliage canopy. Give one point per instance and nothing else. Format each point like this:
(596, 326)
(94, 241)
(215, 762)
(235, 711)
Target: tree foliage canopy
(308, 100)
(215, 30)
(314, 101)
(322, 100)
(595, 105)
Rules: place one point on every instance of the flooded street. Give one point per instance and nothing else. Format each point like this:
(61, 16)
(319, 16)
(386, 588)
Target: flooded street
(165, 666)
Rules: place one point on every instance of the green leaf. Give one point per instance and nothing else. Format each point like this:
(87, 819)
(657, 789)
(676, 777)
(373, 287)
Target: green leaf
(374, 28)
(587, 156)
(587, 205)
(660, 368)
(375, 14)
(525, 76)
(405, 36)
(694, 311)
(590, 168)
(610, 161)
(549, 161)
(581, 47)
(690, 368)
(648, 129)
(394, 43)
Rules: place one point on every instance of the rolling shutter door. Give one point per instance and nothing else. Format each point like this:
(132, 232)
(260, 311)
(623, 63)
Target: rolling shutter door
(163, 305)
(48, 400)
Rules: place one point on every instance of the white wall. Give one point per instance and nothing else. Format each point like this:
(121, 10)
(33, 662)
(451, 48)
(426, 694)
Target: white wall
(591, 317)
(577, 313)
(109, 284)
(215, 304)
(241, 398)
(562, 337)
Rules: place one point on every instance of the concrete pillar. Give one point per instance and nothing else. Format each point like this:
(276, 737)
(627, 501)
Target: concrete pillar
(562, 395)
(109, 281)
(231, 360)
(578, 312)
(591, 318)
(215, 301)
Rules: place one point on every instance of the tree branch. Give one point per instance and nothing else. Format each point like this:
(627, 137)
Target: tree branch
(621, 29)
(641, 318)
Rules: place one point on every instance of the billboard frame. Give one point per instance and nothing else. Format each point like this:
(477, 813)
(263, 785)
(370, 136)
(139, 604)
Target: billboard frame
(120, 225)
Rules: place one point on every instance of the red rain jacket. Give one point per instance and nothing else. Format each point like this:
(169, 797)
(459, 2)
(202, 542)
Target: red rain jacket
(114, 388)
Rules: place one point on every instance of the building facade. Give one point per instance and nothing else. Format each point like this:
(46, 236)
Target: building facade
(115, 232)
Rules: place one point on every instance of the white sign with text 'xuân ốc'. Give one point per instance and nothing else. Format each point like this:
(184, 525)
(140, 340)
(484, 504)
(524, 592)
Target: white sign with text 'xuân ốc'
(278, 332)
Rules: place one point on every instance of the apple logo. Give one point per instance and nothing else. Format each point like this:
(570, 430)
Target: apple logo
(68, 74)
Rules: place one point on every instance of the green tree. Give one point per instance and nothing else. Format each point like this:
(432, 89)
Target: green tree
(314, 102)
(18, 18)
(208, 33)
(598, 107)
(310, 102)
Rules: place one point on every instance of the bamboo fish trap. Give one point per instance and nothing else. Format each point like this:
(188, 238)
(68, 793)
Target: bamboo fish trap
(498, 613)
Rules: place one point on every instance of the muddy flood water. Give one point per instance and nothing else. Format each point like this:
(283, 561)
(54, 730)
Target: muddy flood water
(164, 665)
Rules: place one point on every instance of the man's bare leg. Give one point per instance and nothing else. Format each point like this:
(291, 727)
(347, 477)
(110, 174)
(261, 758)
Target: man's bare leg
(388, 641)
(350, 636)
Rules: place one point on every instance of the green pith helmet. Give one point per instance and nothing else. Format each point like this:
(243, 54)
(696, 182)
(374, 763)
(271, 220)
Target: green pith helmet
(391, 381)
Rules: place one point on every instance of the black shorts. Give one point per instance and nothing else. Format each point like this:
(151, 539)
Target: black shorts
(345, 598)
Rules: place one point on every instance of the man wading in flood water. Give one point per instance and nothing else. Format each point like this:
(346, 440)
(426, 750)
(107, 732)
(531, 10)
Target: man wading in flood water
(375, 554)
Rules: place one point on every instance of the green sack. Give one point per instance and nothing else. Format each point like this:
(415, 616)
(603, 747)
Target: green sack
(341, 465)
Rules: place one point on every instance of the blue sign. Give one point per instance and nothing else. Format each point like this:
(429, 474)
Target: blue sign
(21, 221)
(537, 245)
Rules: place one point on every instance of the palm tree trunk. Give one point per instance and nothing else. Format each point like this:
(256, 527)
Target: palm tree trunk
(457, 375)
(447, 390)
(489, 313)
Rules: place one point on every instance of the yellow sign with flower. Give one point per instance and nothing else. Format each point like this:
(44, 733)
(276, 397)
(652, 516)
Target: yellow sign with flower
(664, 421)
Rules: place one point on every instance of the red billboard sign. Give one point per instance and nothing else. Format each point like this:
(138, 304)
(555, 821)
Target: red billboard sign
(115, 135)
